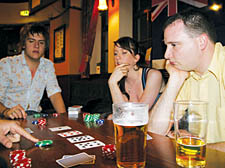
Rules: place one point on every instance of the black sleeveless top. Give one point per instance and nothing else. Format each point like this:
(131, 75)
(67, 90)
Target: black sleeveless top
(143, 79)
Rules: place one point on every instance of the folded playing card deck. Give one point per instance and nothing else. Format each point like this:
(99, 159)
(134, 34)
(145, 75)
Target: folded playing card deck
(73, 160)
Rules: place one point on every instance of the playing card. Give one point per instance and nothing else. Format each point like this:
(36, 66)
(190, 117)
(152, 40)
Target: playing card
(80, 138)
(29, 130)
(69, 133)
(149, 137)
(74, 160)
(61, 128)
(88, 145)
(89, 162)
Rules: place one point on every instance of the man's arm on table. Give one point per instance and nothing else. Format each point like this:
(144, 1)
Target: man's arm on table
(220, 146)
(159, 117)
(14, 112)
(58, 103)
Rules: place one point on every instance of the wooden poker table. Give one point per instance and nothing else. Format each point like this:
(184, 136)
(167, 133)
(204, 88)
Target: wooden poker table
(160, 149)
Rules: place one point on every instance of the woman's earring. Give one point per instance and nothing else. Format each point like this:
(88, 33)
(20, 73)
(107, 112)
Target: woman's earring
(136, 68)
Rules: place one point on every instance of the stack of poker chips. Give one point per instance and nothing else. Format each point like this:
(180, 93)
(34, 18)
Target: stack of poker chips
(55, 114)
(37, 115)
(91, 117)
(18, 159)
(42, 122)
(44, 143)
(100, 121)
(109, 151)
(35, 122)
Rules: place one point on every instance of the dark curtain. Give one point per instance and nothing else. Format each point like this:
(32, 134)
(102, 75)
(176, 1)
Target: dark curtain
(89, 23)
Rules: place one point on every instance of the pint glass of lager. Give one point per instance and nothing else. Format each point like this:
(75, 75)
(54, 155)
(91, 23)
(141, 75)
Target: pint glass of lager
(130, 128)
(190, 121)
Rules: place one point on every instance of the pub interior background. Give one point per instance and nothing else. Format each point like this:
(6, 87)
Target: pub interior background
(86, 40)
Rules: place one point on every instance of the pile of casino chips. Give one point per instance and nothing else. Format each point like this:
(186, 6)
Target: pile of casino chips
(93, 118)
(18, 159)
(90, 117)
(109, 151)
(40, 122)
(44, 143)
(55, 114)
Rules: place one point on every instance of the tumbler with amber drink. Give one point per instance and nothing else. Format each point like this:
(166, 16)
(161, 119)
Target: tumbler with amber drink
(190, 123)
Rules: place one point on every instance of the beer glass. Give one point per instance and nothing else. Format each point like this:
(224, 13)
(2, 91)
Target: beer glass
(130, 128)
(190, 121)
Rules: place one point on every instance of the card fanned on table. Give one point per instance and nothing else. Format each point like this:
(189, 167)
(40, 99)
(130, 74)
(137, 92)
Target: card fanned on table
(88, 145)
(80, 139)
(61, 128)
(69, 133)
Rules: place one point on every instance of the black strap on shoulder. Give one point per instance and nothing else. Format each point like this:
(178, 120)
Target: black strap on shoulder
(144, 76)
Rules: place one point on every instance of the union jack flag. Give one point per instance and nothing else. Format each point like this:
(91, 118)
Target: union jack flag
(172, 6)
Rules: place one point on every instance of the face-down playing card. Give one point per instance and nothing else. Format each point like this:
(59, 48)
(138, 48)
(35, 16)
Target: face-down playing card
(69, 133)
(88, 145)
(80, 139)
(74, 160)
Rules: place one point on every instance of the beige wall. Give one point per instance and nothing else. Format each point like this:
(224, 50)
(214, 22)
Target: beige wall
(73, 42)
(96, 54)
(120, 23)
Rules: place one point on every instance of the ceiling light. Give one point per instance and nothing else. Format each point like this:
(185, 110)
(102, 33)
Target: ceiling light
(24, 13)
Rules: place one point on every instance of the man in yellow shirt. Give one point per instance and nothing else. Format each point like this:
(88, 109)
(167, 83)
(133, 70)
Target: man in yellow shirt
(196, 64)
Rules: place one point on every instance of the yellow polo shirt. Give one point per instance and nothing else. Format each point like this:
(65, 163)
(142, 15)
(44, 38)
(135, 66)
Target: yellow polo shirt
(210, 87)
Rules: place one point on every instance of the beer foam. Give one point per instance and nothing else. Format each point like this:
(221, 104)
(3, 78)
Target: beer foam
(128, 122)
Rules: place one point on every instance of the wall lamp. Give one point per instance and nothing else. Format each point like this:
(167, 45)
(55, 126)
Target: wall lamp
(102, 6)
(215, 7)
(24, 13)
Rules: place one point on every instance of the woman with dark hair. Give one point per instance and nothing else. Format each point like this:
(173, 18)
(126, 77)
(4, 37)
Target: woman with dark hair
(132, 80)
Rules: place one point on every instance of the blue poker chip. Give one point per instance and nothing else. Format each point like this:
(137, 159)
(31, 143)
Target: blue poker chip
(44, 143)
(100, 121)
(35, 122)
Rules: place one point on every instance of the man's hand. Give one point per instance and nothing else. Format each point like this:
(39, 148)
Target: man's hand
(175, 73)
(15, 112)
(12, 127)
(217, 146)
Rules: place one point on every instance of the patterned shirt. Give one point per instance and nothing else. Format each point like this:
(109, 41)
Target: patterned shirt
(211, 88)
(18, 87)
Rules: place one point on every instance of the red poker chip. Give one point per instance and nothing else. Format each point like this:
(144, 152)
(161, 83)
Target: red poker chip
(22, 162)
(23, 165)
(55, 114)
(13, 160)
(84, 114)
(42, 122)
(110, 147)
(14, 156)
(17, 152)
(109, 151)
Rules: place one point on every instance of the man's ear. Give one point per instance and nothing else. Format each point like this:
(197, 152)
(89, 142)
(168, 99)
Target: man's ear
(137, 57)
(203, 41)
